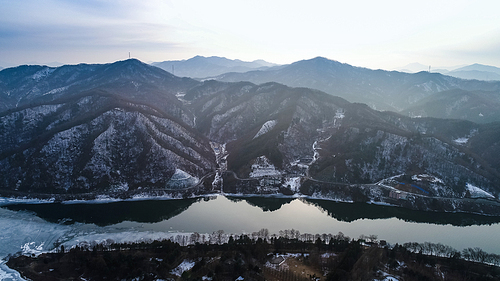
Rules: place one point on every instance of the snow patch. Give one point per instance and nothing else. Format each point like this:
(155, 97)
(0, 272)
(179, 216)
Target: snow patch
(266, 127)
(461, 141)
(339, 114)
(11, 201)
(428, 178)
(181, 179)
(31, 248)
(294, 183)
(57, 90)
(476, 192)
(263, 167)
(42, 73)
(184, 266)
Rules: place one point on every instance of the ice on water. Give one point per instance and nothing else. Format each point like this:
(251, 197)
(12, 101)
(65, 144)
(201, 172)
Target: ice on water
(23, 232)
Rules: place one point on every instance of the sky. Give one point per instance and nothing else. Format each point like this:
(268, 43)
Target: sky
(384, 34)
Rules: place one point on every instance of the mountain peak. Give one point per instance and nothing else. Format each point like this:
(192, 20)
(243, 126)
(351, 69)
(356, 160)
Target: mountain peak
(131, 61)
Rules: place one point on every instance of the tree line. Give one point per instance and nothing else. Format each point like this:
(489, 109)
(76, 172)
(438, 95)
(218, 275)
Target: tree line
(292, 236)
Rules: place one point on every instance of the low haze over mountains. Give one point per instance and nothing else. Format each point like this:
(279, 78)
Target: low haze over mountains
(474, 71)
(380, 89)
(131, 126)
(201, 67)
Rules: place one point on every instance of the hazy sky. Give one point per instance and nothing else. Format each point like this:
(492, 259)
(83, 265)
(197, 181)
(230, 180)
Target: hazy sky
(375, 34)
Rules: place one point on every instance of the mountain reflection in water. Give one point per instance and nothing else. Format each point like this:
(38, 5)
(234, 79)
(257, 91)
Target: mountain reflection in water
(148, 211)
(151, 211)
(349, 212)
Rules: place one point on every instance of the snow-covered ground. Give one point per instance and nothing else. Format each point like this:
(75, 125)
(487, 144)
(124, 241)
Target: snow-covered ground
(182, 179)
(184, 266)
(263, 167)
(266, 127)
(461, 141)
(476, 192)
(294, 184)
(426, 177)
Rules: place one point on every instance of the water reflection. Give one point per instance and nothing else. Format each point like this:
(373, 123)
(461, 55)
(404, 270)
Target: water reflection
(267, 204)
(109, 213)
(151, 211)
(349, 212)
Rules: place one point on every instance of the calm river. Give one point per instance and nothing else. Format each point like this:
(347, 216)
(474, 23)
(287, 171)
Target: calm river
(246, 215)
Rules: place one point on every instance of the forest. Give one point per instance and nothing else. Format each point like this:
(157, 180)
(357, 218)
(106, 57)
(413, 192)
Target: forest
(258, 256)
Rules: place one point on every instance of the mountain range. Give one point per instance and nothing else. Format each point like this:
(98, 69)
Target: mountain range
(202, 67)
(472, 72)
(380, 89)
(477, 72)
(129, 127)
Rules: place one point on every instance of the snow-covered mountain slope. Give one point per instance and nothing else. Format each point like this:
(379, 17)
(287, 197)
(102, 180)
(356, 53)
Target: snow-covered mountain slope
(97, 142)
(25, 85)
(271, 119)
(309, 133)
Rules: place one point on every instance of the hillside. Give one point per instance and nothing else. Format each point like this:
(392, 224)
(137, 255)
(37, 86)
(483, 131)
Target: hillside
(111, 128)
(27, 84)
(306, 132)
(476, 106)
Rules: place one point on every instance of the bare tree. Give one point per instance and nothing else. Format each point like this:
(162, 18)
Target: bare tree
(195, 237)
(372, 237)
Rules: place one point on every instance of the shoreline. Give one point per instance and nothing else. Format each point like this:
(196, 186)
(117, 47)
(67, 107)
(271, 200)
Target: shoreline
(105, 199)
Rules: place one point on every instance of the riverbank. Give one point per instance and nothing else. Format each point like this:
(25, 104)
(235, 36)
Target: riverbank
(260, 257)
(380, 194)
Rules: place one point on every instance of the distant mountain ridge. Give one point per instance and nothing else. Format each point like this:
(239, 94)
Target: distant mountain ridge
(380, 89)
(477, 71)
(202, 67)
(472, 72)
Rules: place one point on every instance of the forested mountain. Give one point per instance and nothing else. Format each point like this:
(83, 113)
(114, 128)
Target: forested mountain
(97, 127)
(476, 106)
(339, 141)
(24, 85)
(129, 126)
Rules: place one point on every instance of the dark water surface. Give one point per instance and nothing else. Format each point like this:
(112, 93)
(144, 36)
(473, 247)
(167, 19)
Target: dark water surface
(249, 214)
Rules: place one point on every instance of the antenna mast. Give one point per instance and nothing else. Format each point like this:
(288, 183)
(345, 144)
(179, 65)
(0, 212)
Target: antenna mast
(429, 69)
(128, 55)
